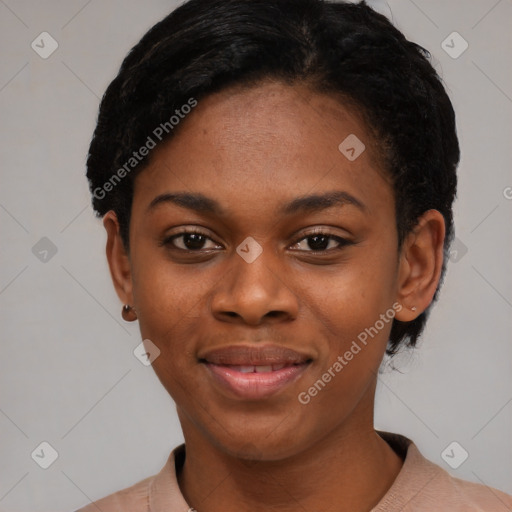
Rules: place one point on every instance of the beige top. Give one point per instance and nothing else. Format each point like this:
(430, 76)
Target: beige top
(420, 486)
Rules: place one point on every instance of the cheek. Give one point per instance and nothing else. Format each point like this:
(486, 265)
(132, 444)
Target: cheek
(169, 300)
(352, 341)
(166, 293)
(355, 294)
(352, 309)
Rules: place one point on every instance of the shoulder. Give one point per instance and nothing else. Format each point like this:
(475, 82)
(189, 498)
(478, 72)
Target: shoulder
(134, 498)
(456, 494)
(472, 496)
(157, 493)
(422, 485)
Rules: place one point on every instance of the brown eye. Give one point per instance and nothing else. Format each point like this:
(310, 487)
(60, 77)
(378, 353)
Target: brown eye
(189, 241)
(320, 242)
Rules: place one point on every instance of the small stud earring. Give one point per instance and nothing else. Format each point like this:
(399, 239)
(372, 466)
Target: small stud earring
(128, 313)
(413, 308)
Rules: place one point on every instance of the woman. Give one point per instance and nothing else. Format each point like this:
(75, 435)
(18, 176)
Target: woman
(276, 180)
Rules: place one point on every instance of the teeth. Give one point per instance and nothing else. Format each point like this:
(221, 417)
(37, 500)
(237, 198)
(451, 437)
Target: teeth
(263, 369)
(258, 369)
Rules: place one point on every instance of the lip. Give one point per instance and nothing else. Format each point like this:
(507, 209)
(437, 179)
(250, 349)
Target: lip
(261, 355)
(233, 368)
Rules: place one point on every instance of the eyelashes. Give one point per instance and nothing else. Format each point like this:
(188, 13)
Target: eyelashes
(320, 235)
(196, 239)
(195, 235)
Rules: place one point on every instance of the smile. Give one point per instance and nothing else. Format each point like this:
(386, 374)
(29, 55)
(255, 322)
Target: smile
(253, 371)
(254, 382)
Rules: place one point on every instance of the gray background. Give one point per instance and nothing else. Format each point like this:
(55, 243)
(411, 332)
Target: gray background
(67, 372)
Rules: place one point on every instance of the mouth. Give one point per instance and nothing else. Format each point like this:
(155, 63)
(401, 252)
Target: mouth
(254, 373)
(258, 368)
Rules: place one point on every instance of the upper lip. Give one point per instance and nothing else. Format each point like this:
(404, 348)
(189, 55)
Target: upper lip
(240, 355)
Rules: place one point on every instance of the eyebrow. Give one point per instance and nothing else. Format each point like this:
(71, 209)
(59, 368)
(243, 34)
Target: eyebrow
(303, 204)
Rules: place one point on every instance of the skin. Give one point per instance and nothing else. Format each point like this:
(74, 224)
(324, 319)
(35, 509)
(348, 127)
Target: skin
(252, 150)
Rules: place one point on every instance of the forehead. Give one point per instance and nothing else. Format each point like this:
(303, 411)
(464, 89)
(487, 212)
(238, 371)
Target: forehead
(271, 141)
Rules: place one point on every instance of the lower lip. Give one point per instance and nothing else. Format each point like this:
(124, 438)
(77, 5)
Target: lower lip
(255, 386)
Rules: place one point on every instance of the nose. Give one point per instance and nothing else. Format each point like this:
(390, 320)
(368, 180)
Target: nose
(255, 293)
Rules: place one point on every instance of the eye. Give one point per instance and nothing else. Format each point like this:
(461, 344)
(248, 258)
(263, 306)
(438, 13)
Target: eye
(189, 240)
(320, 241)
(194, 240)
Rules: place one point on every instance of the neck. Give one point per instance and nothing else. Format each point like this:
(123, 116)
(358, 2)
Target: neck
(348, 470)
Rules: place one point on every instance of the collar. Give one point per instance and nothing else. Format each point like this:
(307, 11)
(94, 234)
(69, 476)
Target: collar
(416, 473)
(164, 492)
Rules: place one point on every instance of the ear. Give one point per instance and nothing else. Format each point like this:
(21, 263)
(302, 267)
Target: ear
(420, 265)
(118, 259)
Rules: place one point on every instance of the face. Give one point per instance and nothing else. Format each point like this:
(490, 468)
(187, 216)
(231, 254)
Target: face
(293, 246)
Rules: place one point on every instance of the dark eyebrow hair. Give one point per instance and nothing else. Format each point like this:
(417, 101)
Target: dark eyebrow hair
(316, 202)
(198, 202)
(310, 203)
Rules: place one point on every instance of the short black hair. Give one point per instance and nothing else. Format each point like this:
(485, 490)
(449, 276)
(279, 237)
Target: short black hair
(346, 49)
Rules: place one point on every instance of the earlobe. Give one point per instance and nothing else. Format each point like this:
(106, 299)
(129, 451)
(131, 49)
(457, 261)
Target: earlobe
(118, 259)
(420, 265)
